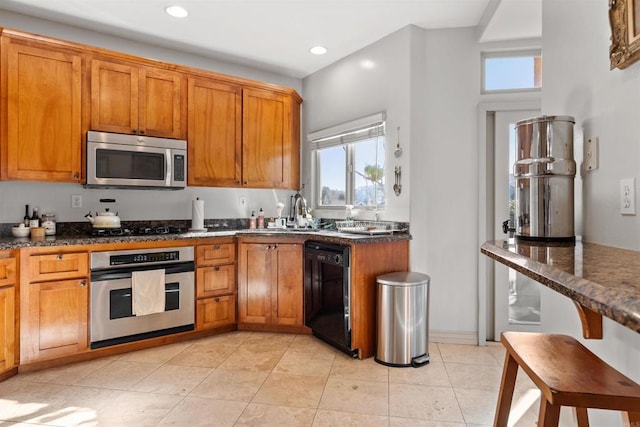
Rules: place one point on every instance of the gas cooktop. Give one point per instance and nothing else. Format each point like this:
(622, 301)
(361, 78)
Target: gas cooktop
(139, 231)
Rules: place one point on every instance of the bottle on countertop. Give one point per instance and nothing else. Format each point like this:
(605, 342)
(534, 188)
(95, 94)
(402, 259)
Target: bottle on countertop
(261, 218)
(252, 220)
(34, 222)
(27, 218)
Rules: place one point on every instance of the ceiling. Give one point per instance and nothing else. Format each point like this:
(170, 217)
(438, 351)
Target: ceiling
(276, 35)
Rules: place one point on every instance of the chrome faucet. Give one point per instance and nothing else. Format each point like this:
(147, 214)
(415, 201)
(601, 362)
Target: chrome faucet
(299, 207)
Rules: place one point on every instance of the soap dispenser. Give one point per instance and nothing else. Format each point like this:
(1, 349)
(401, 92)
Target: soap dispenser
(252, 220)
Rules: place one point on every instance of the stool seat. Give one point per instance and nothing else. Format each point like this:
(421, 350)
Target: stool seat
(567, 374)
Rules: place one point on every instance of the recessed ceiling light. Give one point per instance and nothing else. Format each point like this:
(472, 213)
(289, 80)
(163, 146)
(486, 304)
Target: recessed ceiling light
(318, 50)
(176, 11)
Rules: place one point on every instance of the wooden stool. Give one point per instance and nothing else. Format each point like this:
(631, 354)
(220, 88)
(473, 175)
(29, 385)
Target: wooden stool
(567, 374)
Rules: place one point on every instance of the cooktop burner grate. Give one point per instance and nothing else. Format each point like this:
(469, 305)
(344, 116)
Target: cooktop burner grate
(139, 231)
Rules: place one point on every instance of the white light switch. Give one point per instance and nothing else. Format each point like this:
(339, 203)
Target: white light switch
(627, 196)
(591, 153)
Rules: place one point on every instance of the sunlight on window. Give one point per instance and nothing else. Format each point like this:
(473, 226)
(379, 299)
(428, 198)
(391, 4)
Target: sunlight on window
(512, 71)
(369, 173)
(332, 163)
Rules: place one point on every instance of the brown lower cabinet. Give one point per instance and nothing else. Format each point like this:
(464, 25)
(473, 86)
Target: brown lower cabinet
(216, 284)
(270, 283)
(54, 305)
(7, 313)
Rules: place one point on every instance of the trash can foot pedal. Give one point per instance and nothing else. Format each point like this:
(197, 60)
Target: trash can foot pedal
(418, 361)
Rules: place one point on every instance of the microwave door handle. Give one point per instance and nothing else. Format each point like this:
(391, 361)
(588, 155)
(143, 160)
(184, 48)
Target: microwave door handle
(168, 159)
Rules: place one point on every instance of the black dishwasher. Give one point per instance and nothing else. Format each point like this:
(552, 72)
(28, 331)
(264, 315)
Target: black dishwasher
(327, 293)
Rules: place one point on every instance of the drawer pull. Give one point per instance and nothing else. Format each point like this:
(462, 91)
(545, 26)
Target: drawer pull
(59, 256)
(217, 268)
(216, 247)
(83, 283)
(217, 299)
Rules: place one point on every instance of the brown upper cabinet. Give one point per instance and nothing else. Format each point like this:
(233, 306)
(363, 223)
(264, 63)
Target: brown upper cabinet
(215, 133)
(270, 140)
(242, 137)
(133, 98)
(240, 133)
(40, 103)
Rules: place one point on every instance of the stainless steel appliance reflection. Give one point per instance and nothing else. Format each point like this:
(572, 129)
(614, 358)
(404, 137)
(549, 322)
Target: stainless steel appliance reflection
(544, 171)
(112, 319)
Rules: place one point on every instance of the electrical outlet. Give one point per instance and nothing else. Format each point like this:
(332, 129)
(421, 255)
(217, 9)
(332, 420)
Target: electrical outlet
(243, 202)
(627, 196)
(76, 201)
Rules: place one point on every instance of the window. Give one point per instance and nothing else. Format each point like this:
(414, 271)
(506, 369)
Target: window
(350, 164)
(511, 71)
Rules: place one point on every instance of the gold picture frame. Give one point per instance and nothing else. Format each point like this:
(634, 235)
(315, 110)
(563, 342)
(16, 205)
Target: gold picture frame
(624, 18)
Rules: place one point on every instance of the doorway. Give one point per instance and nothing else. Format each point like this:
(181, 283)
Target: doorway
(495, 286)
(516, 297)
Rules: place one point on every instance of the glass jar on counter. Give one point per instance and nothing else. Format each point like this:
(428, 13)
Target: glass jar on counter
(48, 221)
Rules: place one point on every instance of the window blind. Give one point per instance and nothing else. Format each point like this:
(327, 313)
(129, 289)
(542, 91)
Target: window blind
(349, 132)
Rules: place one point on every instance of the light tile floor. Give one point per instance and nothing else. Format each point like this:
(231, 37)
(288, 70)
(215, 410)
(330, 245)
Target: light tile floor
(263, 379)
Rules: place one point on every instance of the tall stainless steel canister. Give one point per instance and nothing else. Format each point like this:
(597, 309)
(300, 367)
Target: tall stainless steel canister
(544, 172)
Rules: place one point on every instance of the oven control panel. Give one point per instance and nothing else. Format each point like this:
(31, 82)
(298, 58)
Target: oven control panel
(113, 259)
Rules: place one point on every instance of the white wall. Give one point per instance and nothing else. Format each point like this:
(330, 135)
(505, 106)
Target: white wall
(577, 81)
(347, 90)
(428, 82)
(135, 204)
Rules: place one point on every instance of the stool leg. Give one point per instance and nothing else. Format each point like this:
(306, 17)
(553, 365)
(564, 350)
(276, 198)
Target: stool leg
(505, 396)
(631, 419)
(549, 415)
(582, 417)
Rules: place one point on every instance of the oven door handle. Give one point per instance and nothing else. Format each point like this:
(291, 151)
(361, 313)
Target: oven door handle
(125, 273)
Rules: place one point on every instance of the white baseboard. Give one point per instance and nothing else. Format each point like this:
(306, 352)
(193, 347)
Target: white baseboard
(453, 337)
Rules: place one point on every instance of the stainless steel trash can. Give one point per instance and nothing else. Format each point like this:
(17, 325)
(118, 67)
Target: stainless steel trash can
(402, 325)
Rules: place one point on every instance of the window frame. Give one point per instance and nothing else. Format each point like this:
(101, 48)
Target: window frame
(318, 141)
(520, 53)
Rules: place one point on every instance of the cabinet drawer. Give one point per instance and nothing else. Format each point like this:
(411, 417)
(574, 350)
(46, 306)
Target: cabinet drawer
(213, 281)
(215, 312)
(7, 271)
(222, 253)
(58, 266)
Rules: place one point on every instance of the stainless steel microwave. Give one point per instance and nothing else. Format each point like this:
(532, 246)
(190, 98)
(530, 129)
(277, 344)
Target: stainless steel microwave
(133, 161)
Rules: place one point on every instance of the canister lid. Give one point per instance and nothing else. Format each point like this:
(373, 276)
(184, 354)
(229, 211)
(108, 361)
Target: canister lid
(403, 278)
(542, 119)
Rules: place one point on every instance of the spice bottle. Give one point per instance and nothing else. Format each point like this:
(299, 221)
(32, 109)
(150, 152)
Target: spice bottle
(252, 220)
(34, 222)
(261, 219)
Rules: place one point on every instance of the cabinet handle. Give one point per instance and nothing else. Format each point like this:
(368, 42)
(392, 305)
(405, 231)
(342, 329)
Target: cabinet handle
(246, 183)
(217, 268)
(216, 299)
(83, 283)
(238, 182)
(216, 247)
(59, 256)
(134, 130)
(76, 175)
(141, 131)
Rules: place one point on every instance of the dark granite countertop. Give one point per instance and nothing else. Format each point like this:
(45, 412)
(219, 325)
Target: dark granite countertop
(601, 278)
(83, 239)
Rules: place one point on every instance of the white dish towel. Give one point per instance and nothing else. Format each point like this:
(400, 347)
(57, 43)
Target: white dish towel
(147, 292)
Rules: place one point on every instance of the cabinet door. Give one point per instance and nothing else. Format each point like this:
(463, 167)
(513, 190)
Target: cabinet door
(256, 274)
(267, 140)
(42, 101)
(58, 266)
(215, 134)
(215, 312)
(114, 97)
(223, 253)
(7, 271)
(287, 288)
(56, 319)
(161, 109)
(7, 328)
(214, 281)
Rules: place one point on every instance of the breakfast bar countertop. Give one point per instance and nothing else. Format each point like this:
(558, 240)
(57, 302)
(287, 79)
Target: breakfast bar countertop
(603, 279)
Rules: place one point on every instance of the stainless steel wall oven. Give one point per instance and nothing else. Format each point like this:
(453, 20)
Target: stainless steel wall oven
(112, 319)
(327, 293)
